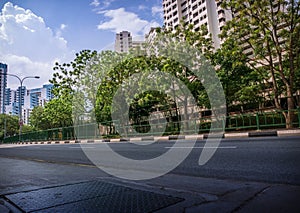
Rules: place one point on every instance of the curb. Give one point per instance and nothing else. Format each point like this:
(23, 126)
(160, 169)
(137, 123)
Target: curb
(273, 133)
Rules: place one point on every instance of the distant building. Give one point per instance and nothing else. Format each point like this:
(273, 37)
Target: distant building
(30, 98)
(138, 45)
(123, 41)
(38, 96)
(3, 85)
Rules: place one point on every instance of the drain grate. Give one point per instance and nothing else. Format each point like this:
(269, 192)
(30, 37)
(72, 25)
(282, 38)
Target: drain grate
(94, 196)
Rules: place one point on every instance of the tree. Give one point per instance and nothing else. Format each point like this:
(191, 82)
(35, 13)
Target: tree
(9, 125)
(118, 74)
(58, 112)
(67, 73)
(38, 119)
(138, 91)
(27, 128)
(242, 85)
(192, 51)
(271, 30)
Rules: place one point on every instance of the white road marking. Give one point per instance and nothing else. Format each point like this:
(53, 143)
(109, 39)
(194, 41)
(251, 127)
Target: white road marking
(201, 147)
(86, 147)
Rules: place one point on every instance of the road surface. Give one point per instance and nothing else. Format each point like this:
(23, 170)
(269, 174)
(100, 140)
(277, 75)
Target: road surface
(243, 175)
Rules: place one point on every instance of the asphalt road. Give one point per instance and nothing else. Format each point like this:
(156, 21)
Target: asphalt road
(268, 160)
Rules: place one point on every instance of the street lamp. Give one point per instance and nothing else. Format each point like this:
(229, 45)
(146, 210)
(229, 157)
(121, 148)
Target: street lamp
(20, 99)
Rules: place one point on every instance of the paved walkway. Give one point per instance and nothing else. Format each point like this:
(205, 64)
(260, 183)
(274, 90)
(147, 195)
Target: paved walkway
(169, 193)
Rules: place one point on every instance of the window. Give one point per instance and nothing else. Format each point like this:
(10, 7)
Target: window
(221, 20)
(183, 4)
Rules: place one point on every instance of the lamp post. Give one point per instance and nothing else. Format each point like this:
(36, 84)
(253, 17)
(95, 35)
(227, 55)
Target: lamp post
(20, 99)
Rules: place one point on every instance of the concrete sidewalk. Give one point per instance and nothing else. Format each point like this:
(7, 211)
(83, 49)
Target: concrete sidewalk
(169, 193)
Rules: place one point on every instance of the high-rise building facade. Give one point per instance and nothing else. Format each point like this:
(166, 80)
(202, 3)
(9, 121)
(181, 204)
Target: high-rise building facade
(30, 98)
(3, 84)
(123, 41)
(150, 37)
(198, 13)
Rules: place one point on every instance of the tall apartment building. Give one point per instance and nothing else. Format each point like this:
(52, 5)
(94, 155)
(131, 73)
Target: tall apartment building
(38, 96)
(30, 98)
(123, 41)
(3, 84)
(11, 102)
(150, 37)
(198, 13)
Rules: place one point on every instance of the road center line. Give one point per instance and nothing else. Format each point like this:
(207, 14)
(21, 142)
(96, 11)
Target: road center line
(201, 147)
(86, 147)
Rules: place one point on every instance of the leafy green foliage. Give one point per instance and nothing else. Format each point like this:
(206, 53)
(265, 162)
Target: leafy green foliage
(58, 111)
(242, 85)
(38, 119)
(10, 126)
(271, 31)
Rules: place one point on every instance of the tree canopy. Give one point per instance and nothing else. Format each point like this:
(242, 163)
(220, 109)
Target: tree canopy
(268, 32)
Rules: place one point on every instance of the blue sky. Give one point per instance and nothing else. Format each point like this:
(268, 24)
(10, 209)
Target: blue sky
(34, 33)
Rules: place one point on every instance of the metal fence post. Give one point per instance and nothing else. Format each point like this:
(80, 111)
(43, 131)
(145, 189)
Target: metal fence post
(257, 121)
(298, 111)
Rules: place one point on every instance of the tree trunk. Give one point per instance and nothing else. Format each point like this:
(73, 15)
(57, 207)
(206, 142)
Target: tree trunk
(289, 116)
(186, 116)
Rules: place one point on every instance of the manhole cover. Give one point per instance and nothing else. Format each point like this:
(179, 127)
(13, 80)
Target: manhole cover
(94, 196)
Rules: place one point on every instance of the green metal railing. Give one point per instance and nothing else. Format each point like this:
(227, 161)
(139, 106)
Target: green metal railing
(239, 122)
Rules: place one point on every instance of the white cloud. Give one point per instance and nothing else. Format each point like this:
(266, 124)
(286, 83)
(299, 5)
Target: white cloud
(101, 5)
(28, 46)
(59, 31)
(142, 7)
(23, 66)
(95, 3)
(63, 26)
(107, 3)
(157, 10)
(122, 20)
